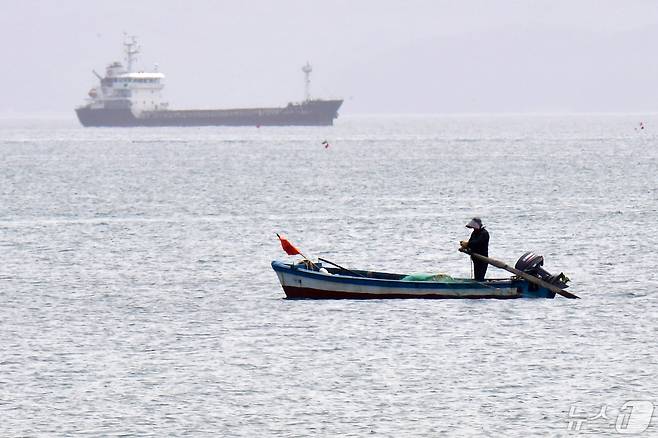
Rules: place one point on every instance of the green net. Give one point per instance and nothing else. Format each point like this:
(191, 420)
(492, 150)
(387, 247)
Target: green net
(440, 278)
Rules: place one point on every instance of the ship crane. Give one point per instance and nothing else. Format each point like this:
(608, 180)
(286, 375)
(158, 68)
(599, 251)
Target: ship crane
(307, 69)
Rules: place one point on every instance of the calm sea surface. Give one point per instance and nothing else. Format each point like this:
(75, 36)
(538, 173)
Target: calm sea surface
(137, 298)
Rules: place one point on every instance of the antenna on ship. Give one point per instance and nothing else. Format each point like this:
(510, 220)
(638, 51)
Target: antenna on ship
(131, 49)
(307, 69)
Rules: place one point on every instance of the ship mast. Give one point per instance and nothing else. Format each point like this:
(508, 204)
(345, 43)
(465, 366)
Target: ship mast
(307, 69)
(131, 49)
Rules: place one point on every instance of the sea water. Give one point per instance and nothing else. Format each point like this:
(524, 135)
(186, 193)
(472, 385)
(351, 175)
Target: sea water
(137, 298)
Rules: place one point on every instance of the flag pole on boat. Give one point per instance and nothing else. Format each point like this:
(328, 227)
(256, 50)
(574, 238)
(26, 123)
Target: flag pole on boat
(291, 249)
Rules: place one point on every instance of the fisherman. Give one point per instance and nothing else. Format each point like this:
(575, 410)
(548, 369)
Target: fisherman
(478, 243)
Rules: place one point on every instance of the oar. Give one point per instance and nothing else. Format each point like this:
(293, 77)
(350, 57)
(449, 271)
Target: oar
(530, 278)
(340, 267)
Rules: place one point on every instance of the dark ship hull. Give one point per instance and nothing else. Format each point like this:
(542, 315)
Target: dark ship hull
(308, 113)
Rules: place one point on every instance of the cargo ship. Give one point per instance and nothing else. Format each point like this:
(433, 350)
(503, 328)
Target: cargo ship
(134, 98)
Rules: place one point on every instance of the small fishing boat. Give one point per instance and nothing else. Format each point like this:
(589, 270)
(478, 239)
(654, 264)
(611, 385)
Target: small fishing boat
(309, 280)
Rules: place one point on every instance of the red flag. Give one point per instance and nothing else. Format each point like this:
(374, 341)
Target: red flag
(287, 246)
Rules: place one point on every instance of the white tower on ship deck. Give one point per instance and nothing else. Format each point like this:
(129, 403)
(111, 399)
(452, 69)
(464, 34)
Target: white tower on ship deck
(132, 49)
(307, 69)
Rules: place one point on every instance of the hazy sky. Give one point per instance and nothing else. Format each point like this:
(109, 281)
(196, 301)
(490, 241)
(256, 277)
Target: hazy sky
(380, 56)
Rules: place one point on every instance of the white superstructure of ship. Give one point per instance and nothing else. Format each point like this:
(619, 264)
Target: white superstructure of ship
(120, 84)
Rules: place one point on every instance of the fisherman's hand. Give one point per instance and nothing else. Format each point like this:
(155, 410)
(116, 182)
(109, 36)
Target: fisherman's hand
(463, 243)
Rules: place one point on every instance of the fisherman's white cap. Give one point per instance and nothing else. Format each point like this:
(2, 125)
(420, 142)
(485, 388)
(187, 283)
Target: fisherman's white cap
(475, 223)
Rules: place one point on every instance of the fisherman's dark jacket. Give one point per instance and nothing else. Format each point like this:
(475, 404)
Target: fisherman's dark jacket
(479, 242)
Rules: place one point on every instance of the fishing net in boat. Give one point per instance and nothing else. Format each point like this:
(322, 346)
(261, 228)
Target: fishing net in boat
(440, 278)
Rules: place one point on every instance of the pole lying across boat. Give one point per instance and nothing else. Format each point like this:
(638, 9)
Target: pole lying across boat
(526, 276)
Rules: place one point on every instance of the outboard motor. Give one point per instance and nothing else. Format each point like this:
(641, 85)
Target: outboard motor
(532, 263)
